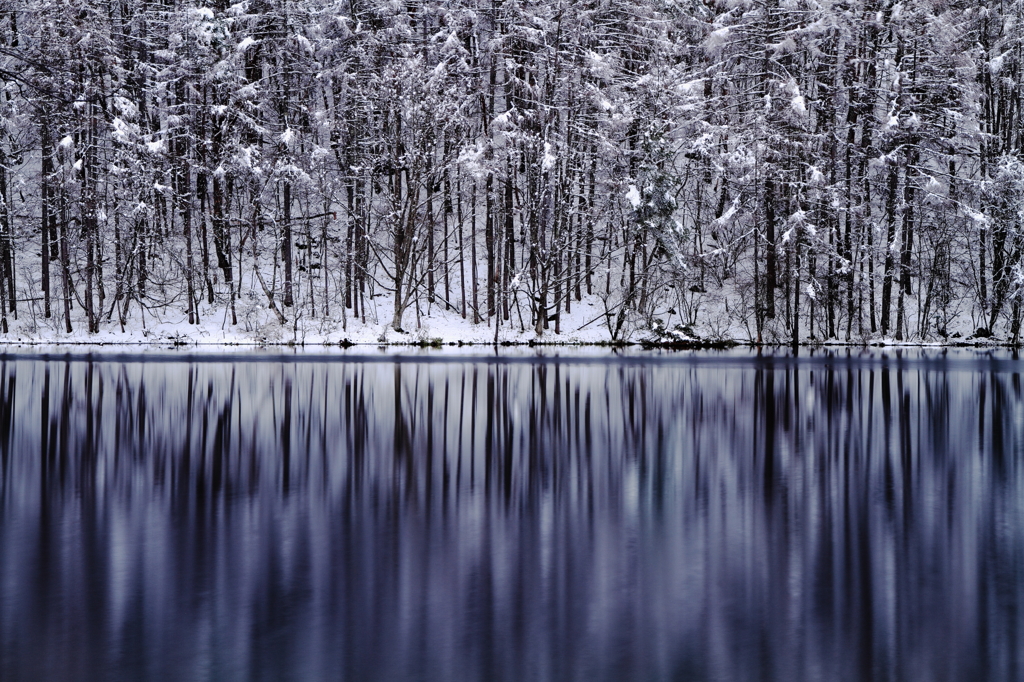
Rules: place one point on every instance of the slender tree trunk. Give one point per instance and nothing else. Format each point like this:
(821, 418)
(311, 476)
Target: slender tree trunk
(204, 243)
(46, 210)
(474, 277)
(186, 221)
(65, 265)
(286, 246)
(431, 254)
(890, 238)
(6, 251)
(771, 256)
(796, 294)
(509, 248)
(89, 228)
(489, 241)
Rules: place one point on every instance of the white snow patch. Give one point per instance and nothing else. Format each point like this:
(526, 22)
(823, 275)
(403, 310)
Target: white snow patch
(247, 91)
(502, 121)
(979, 219)
(786, 46)
(717, 39)
(123, 132)
(549, 160)
(599, 66)
(633, 197)
(127, 107)
(798, 105)
(693, 87)
(730, 212)
(996, 64)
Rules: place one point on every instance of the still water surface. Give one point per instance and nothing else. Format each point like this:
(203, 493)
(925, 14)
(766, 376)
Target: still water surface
(849, 516)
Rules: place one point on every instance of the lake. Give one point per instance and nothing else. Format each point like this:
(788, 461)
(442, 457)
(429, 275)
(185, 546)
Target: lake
(843, 515)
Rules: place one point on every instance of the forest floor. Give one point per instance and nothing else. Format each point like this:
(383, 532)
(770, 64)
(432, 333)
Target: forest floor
(709, 320)
(587, 324)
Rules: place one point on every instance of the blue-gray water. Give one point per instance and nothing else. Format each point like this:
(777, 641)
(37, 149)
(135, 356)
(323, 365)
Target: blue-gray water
(854, 516)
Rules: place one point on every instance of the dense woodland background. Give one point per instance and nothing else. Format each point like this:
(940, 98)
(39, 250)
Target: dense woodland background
(804, 168)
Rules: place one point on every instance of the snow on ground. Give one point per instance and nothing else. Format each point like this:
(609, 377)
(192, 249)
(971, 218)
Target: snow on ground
(718, 315)
(257, 325)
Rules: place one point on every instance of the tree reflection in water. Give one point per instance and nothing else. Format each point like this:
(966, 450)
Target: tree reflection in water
(840, 518)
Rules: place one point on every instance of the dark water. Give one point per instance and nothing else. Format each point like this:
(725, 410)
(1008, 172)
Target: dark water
(846, 517)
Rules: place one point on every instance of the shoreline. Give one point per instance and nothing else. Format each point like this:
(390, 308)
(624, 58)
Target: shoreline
(345, 344)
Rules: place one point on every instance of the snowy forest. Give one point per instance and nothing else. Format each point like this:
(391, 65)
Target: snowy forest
(767, 170)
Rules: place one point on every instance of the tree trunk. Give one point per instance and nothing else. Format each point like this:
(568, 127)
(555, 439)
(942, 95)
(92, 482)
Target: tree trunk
(890, 238)
(286, 246)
